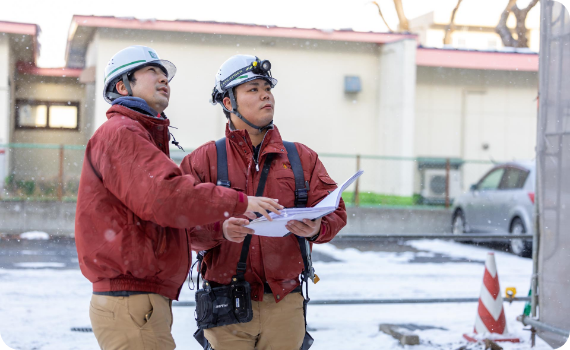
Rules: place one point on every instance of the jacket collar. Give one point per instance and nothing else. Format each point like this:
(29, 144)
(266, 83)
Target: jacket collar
(272, 143)
(146, 121)
(139, 105)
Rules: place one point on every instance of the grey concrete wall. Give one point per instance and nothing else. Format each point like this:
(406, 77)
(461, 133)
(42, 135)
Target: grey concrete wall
(381, 221)
(59, 219)
(52, 217)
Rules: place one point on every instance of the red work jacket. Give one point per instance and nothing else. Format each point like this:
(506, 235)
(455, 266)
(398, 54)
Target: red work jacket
(277, 261)
(134, 204)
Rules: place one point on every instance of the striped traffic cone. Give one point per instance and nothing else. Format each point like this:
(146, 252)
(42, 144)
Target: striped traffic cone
(490, 320)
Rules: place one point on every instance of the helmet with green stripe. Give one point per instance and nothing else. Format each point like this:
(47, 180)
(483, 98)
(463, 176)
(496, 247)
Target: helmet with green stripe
(237, 70)
(128, 61)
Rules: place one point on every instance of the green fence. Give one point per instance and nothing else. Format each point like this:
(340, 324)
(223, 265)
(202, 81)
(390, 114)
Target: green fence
(52, 171)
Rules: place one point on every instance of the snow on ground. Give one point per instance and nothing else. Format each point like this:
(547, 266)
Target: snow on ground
(38, 307)
(34, 235)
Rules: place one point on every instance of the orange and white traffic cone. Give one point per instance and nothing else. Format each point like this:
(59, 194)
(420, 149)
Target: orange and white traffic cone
(490, 321)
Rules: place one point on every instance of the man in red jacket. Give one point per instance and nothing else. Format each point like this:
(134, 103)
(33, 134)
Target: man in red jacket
(273, 264)
(133, 205)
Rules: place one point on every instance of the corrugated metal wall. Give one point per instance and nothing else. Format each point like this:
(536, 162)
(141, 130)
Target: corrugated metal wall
(553, 150)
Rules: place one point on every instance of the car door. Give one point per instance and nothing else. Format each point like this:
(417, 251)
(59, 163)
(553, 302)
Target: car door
(500, 200)
(511, 195)
(478, 214)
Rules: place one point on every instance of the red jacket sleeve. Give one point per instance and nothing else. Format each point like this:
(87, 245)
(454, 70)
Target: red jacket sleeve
(320, 186)
(150, 184)
(203, 237)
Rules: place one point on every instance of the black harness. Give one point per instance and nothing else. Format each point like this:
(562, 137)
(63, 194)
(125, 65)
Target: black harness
(301, 198)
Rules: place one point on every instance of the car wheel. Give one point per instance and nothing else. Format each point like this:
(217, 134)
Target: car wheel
(458, 223)
(519, 246)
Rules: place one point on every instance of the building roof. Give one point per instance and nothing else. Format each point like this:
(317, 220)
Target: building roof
(82, 28)
(28, 48)
(31, 69)
(19, 28)
(473, 59)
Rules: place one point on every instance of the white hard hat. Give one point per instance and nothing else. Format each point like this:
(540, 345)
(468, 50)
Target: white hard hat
(131, 59)
(237, 70)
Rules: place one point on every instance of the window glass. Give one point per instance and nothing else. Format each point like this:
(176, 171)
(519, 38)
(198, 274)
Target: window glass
(491, 181)
(32, 115)
(63, 117)
(46, 114)
(514, 179)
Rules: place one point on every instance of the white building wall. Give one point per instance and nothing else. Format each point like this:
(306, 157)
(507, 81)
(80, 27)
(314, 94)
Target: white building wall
(311, 105)
(392, 115)
(475, 115)
(5, 124)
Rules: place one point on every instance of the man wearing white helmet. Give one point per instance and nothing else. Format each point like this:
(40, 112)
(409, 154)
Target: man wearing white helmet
(133, 207)
(258, 161)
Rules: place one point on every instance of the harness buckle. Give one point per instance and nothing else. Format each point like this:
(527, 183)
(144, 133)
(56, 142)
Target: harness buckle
(241, 267)
(301, 197)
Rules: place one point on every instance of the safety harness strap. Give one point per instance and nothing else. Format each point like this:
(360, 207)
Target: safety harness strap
(223, 178)
(301, 186)
(301, 197)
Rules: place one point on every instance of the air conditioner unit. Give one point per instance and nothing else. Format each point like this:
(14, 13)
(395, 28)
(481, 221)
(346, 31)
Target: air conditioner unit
(433, 185)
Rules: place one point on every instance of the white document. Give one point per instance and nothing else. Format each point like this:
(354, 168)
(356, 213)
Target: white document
(276, 228)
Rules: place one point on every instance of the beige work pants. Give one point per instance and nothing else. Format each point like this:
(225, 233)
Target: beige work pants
(136, 322)
(275, 326)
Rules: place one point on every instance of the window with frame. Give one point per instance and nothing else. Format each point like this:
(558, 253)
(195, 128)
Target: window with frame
(492, 180)
(514, 179)
(47, 115)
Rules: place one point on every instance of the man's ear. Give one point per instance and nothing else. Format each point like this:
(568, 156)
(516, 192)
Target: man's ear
(121, 88)
(227, 103)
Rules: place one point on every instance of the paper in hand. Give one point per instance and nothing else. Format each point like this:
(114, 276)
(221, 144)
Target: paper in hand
(276, 228)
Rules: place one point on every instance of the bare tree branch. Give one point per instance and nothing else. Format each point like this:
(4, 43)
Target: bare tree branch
(502, 29)
(521, 30)
(404, 25)
(382, 16)
(451, 26)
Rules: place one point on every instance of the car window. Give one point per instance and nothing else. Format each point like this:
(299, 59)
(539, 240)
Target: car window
(492, 180)
(514, 179)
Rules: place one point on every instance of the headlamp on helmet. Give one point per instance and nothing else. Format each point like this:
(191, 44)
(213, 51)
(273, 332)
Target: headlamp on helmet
(261, 67)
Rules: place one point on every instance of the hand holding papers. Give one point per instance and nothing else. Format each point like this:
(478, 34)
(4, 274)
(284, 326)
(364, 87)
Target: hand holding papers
(276, 228)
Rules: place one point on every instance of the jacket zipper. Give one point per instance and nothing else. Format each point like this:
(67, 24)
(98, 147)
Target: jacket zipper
(259, 153)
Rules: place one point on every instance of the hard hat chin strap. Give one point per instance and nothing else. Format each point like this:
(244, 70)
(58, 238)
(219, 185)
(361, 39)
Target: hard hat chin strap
(127, 84)
(238, 114)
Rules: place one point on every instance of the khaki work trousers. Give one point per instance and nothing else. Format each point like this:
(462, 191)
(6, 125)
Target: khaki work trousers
(275, 326)
(136, 322)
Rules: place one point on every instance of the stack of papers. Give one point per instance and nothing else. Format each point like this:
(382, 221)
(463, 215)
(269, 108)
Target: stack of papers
(276, 228)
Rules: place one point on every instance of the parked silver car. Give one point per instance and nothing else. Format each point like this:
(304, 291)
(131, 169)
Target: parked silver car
(501, 202)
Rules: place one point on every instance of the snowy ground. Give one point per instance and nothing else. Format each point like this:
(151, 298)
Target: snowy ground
(40, 303)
